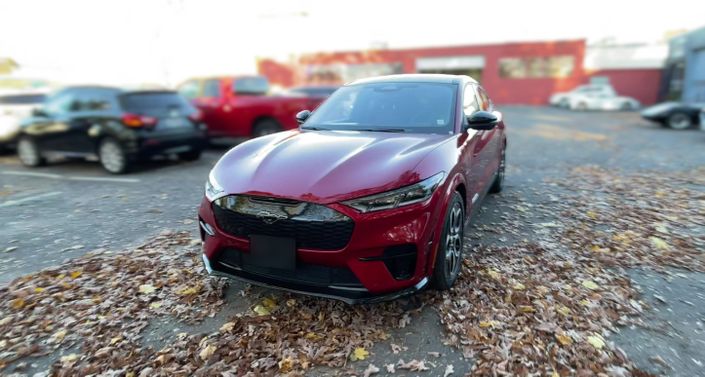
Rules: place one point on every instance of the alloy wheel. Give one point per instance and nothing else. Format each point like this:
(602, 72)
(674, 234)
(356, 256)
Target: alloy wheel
(454, 241)
(112, 157)
(679, 121)
(28, 153)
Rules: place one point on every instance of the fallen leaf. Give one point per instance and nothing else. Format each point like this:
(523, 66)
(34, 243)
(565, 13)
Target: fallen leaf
(486, 324)
(75, 274)
(596, 341)
(69, 358)
(659, 243)
(371, 369)
(17, 303)
(390, 368)
(564, 339)
(589, 284)
(58, 336)
(155, 305)
(38, 290)
(413, 365)
(261, 310)
(563, 310)
(207, 352)
(227, 327)
(147, 289)
(189, 291)
(359, 354)
(449, 370)
(286, 365)
(519, 287)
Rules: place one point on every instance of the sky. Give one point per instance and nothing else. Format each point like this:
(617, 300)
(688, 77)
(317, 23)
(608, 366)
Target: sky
(166, 41)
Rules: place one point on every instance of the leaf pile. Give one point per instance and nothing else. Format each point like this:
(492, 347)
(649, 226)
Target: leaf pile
(548, 308)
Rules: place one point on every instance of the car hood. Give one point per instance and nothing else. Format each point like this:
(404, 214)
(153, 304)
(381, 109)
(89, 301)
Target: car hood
(324, 166)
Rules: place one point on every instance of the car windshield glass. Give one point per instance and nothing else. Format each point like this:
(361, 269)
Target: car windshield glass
(155, 103)
(388, 107)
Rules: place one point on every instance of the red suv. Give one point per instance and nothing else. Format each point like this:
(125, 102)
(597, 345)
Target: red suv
(368, 200)
(240, 106)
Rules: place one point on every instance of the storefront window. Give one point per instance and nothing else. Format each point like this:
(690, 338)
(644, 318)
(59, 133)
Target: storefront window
(537, 67)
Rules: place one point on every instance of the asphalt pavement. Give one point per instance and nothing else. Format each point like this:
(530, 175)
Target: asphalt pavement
(64, 210)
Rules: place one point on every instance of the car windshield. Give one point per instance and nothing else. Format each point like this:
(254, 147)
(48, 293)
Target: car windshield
(388, 107)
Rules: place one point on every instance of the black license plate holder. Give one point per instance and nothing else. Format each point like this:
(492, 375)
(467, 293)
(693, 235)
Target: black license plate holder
(273, 252)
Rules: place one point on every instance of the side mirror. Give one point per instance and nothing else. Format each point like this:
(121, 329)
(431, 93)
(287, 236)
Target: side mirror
(302, 115)
(483, 120)
(39, 113)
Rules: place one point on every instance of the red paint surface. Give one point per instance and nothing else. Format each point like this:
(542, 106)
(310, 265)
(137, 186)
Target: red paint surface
(641, 84)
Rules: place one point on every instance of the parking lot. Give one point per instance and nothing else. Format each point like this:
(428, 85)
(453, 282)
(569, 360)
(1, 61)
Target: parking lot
(70, 208)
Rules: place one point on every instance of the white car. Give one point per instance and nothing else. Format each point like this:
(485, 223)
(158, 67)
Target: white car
(593, 97)
(14, 106)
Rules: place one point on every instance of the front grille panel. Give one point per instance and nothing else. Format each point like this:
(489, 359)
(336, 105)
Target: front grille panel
(313, 226)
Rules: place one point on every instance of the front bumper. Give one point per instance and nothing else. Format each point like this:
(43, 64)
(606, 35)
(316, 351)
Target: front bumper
(361, 272)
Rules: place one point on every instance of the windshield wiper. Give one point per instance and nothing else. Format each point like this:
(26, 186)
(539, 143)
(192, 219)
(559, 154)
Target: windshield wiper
(379, 129)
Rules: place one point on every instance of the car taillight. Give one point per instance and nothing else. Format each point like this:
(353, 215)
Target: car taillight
(196, 116)
(138, 121)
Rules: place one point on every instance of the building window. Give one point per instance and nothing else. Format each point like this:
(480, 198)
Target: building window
(341, 73)
(537, 67)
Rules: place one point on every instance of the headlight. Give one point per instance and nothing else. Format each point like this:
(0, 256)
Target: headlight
(213, 188)
(416, 193)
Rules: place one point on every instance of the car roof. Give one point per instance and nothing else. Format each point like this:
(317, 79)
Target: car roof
(416, 77)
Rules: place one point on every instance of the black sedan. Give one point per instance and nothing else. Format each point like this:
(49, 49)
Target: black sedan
(675, 115)
(119, 127)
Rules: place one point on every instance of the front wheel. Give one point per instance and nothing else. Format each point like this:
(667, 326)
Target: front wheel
(29, 153)
(113, 156)
(679, 121)
(449, 257)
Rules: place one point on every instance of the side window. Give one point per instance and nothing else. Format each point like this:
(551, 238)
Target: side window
(211, 88)
(60, 103)
(190, 89)
(93, 100)
(470, 104)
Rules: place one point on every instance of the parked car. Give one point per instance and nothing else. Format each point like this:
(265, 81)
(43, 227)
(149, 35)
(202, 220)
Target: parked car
(240, 106)
(315, 91)
(676, 115)
(367, 200)
(593, 97)
(14, 106)
(119, 127)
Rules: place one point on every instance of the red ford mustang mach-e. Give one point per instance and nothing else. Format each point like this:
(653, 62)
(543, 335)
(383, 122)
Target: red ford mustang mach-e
(367, 200)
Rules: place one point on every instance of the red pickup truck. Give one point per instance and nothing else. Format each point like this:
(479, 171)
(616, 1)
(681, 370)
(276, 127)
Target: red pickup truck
(240, 106)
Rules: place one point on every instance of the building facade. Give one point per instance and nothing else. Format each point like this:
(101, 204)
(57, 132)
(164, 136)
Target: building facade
(513, 73)
(684, 74)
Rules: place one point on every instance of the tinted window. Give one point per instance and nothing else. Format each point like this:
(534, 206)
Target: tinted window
(251, 85)
(413, 107)
(60, 102)
(94, 100)
(211, 88)
(189, 89)
(154, 103)
(22, 99)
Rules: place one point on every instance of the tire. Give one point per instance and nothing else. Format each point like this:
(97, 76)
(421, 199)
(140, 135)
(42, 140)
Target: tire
(581, 106)
(498, 183)
(29, 153)
(627, 106)
(449, 258)
(679, 121)
(113, 157)
(265, 127)
(564, 103)
(191, 155)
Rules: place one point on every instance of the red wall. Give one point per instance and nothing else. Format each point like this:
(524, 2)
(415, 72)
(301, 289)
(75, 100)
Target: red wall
(642, 84)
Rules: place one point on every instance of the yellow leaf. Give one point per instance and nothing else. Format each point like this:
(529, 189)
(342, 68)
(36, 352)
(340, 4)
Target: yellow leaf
(269, 303)
(526, 309)
(115, 340)
(493, 274)
(596, 340)
(359, 354)
(291, 302)
(130, 374)
(592, 214)
(584, 302)
(190, 291)
(75, 274)
(58, 336)
(564, 339)
(286, 364)
(38, 290)
(312, 336)
(659, 243)
(519, 287)
(589, 284)
(147, 288)
(227, 327)
(17, 303)
(555, 374)
(69, 358)
(598, 249)
(261, 310)
(486, 324)
(563, 310)
(155, 305)
(207, 352)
